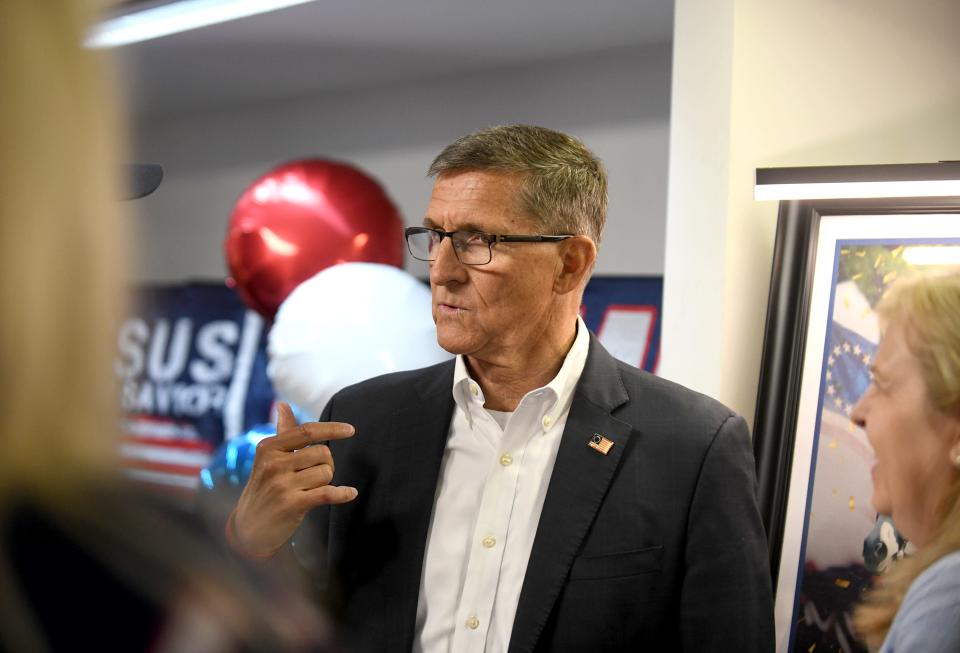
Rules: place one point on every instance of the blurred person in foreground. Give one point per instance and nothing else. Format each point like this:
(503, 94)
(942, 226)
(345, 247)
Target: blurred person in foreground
(534, 493)
(911, 413)
(86, 562)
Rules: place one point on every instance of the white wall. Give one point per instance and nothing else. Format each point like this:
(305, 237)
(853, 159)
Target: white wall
(618, 103)
(818, 82)
(697, 195)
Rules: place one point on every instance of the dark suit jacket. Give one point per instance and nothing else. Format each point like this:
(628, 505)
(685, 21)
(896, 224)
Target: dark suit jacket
(656, 546)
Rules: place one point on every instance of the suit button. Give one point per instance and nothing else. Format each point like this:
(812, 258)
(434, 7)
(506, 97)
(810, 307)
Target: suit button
(489, 541)
(506, 459)
(473, 623)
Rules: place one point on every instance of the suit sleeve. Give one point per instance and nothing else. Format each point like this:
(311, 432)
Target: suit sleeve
(726, 600)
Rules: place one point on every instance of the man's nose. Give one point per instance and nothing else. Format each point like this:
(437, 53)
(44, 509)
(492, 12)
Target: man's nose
(446, 268)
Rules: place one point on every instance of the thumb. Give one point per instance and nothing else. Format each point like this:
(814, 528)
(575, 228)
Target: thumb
(285, 418)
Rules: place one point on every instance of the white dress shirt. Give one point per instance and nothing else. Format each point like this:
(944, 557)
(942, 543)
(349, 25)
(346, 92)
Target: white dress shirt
(493, 480)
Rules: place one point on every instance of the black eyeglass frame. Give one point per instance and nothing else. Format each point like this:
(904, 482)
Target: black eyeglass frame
(489, 239)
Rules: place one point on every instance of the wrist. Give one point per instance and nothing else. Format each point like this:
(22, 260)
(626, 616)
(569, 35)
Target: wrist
(230, 534)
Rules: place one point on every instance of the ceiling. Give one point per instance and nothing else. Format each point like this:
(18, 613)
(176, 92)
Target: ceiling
(330, 45)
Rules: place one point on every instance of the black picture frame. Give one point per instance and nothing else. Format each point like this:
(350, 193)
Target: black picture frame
(786, 339)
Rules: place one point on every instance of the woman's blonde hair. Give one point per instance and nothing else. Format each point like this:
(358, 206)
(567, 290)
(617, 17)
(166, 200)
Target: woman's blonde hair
(62, 247)
(62, 241)
(929, 307)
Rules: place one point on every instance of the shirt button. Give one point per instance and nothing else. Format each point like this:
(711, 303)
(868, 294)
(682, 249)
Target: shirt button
(473, 623)
(489, 541)
(547, 421)
(506, 459)
(474, 389)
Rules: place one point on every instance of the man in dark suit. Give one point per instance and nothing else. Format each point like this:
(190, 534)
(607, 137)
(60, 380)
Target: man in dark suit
(534, 494)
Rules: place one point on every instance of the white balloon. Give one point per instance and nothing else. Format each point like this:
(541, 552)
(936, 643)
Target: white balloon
(348, 323)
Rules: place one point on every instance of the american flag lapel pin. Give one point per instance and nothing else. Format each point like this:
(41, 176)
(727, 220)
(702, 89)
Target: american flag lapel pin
(600, 443)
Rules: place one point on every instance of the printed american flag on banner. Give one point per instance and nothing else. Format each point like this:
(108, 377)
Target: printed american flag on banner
(164, 454)
(191, 364)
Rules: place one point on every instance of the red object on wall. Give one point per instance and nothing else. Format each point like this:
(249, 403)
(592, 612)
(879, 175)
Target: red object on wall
(302, 217)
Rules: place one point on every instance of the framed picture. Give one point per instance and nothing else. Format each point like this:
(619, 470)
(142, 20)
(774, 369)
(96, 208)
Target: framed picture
(833, 260)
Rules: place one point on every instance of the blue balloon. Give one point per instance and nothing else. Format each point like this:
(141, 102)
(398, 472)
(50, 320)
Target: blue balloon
(231, 463)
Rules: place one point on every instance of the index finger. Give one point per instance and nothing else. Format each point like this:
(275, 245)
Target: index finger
(312, 433)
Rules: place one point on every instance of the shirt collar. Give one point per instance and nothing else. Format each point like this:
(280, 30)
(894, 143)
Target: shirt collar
(467, 392)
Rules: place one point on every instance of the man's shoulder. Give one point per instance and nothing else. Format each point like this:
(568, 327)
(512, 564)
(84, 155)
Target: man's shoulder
(659, 400)
(648, 387)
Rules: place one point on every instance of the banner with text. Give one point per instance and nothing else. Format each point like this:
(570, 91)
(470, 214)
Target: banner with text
(192, 361)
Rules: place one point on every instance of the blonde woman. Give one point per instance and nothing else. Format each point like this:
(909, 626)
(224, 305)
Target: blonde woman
(911, 413)
(85, 563)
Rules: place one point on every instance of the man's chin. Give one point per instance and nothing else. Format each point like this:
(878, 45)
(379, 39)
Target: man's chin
(452, 344)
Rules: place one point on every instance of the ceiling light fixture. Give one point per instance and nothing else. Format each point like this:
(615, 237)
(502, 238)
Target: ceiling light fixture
(838, 182)
(175, 17)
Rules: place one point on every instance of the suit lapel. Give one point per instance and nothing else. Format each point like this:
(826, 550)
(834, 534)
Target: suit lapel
(578, 484)
(415, 457)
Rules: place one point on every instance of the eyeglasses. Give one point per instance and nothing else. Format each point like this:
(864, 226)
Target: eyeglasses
(471, 247)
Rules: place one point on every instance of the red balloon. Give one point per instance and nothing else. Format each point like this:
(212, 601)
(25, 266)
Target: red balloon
(303, 217)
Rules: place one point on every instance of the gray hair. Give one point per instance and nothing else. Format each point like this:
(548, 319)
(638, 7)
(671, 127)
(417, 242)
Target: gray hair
(563, 187)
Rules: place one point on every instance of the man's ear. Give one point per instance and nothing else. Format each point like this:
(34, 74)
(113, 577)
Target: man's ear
(576, 261)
